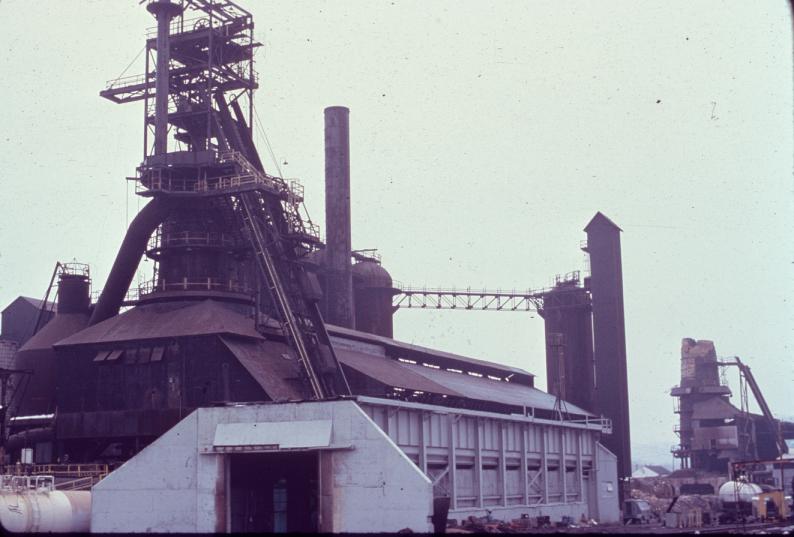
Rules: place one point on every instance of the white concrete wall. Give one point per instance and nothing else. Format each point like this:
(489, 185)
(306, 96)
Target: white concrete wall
(376, 487)
(174, 485)
(155, 491)
(607, 485)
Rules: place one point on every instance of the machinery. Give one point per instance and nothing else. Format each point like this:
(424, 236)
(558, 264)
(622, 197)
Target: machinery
(713, 432)
(637, 512)
(224, 358)
(584, 329)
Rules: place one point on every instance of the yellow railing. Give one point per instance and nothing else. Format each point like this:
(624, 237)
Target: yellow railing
(58, 470)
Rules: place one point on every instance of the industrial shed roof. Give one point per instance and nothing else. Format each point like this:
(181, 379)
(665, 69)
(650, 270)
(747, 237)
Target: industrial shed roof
(35, 302)
(485, 389)
(60, 327)
(398, 348)
(390, 372)
(271, 364)
(427, 379)
(156, 321)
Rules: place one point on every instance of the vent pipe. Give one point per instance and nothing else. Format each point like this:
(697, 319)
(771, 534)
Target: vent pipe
(163, 11)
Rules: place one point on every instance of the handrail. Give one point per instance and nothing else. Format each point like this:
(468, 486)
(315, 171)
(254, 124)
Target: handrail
(190, 238)
(197, 284)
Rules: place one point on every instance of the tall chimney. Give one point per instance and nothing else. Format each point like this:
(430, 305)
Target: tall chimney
(609, 337)
(338, 300)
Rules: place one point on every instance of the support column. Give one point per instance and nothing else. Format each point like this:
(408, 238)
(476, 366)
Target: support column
(545, 454)
(564, 485)
(423, 416)
(524, 476)
(478, 462)
(502, 463)
(452, 462)
(579, 435)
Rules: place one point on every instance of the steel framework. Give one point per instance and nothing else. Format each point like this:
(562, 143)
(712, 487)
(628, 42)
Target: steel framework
(566, 294)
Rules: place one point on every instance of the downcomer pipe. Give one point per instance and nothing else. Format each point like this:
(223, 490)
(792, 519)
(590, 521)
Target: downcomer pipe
(126, 263)
(339, 307)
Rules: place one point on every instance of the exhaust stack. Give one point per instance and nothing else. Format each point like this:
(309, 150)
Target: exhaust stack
(339, 309)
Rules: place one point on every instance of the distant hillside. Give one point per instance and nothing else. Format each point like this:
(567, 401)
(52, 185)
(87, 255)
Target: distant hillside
(651, 453)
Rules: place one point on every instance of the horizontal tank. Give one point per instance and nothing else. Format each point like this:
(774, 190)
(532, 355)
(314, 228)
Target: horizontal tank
(738, 491)
(32, 505)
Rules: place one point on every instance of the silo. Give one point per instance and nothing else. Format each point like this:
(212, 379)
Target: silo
(570, 369)
(35, 394)
(373, 291)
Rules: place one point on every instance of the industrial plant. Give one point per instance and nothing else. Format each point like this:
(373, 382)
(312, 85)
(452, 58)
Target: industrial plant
(254, 383)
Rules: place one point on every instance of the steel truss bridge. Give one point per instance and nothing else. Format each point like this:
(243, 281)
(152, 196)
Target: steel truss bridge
(569, 294)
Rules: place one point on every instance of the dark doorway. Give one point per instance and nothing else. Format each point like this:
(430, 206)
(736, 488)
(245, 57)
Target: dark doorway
(273, 492)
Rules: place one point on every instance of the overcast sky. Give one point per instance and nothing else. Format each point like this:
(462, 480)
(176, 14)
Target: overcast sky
(484, 136)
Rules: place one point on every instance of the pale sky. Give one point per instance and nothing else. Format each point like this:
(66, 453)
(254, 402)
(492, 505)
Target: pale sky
(484, 136)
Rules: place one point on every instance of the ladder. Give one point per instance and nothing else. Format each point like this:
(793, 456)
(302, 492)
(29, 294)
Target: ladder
(268, 269)
(279, 237)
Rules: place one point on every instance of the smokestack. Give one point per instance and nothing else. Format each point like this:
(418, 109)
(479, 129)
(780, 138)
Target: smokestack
(339, 276)
(609, 336)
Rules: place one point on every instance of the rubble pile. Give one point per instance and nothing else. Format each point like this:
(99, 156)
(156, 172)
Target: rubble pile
(486, 524)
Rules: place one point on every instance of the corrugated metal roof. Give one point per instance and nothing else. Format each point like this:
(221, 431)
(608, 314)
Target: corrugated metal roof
(266, 363)
(166, 320)
(397, 346)
(390, 372)
(485, 389)
(427, 379)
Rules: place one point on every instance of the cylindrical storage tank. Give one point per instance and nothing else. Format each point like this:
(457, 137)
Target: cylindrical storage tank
(45, 511)
(570, 370)
(73, 294)
(738, 492)
(373, 291)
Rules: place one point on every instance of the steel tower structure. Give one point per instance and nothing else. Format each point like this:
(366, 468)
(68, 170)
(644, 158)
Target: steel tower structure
(218, 226)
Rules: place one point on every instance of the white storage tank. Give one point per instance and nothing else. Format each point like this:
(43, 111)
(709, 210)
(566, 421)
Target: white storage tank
(738, 491)
(30, 504)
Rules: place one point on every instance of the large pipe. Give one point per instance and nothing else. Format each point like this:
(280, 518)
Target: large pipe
(126, 263)
(164, 11)
(339, 283)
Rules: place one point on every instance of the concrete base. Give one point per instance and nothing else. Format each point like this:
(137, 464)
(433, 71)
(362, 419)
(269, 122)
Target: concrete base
(180, 483)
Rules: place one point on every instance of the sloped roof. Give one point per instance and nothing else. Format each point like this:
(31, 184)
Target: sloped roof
(391, 372)
(714, 408)
(166, 320)
(60, 327)
(273, 366)
(661, 470)
(599, 220)
(427, 379)
(485, 389)
(395, 348)
(34, 302)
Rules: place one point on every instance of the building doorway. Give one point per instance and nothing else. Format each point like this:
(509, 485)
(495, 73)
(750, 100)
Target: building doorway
(273, 492)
